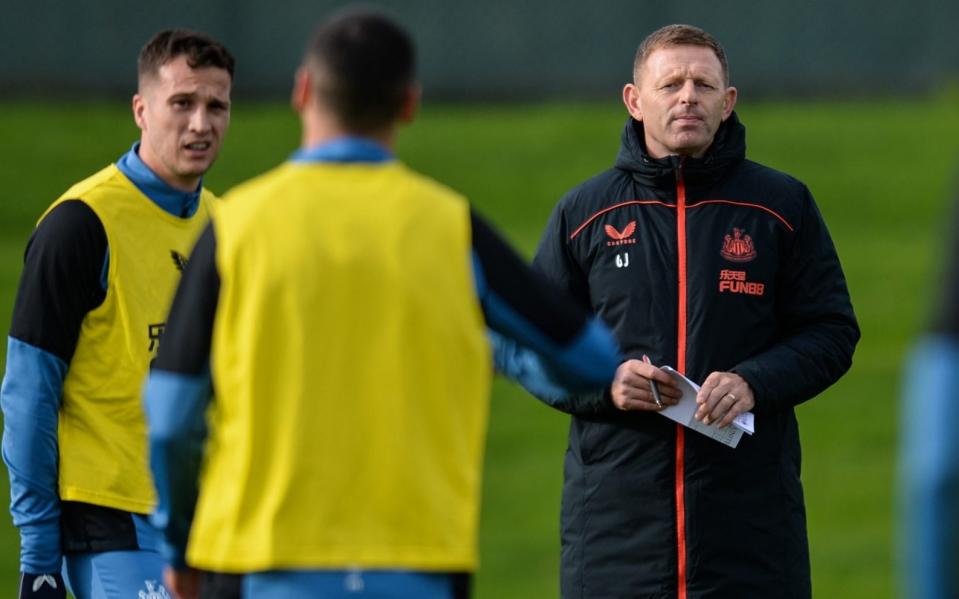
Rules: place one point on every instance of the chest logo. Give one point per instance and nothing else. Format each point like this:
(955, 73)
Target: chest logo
(738, 247)
(624, 237)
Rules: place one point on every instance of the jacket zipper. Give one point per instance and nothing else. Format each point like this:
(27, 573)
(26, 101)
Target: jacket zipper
(681, 366)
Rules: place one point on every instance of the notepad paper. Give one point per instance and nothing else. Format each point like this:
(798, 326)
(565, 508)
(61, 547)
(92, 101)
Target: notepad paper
(684, 412)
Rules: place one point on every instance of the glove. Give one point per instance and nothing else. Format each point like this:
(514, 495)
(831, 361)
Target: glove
(41, 586)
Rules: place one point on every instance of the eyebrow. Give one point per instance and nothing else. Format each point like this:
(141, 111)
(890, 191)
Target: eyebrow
(686, 74)
(195, 96)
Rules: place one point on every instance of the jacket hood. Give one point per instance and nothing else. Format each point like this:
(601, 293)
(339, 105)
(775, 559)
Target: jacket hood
(727, 149)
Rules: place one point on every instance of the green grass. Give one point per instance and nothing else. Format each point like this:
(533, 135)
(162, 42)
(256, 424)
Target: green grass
(881, 173)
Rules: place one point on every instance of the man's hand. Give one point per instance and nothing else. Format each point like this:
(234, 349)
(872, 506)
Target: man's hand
(631, 389)
(182, 584)
(41, 586)
(722, 397)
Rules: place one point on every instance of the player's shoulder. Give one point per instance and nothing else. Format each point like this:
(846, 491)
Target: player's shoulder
(74, 210)
(249, 195)
(68, 241)
(107, 178)
(427, 186)
(258, 184)
(69, 218)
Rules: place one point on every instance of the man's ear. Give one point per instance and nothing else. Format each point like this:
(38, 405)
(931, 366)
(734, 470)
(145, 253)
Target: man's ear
(411, 103)
(729, 102)
(138, 105)
(631, 100)
(302, 89)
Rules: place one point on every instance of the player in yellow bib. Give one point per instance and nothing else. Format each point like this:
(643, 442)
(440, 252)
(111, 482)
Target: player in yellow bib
(339, 305)
(99, 274)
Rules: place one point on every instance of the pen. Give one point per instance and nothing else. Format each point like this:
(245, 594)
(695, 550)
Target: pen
(653, 386)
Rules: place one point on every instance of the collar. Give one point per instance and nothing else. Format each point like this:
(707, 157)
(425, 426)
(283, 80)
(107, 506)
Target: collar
(727, 149)
(344, 149)
(182, 204)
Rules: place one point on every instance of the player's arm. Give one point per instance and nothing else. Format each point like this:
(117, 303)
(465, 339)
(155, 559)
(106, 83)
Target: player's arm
(555, 263)
(542, 337)
(177, 394)
(63, 279)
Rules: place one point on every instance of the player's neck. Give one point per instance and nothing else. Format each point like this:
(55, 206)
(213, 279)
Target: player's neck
(185, 183)
(318, 130)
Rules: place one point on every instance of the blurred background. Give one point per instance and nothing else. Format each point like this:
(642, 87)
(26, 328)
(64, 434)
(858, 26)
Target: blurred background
(857, 99)
(500, 50)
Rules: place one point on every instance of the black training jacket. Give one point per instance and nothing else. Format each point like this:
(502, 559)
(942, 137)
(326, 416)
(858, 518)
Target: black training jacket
(711, 264)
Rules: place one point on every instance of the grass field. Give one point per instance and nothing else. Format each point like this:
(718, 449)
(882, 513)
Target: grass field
(881, 173)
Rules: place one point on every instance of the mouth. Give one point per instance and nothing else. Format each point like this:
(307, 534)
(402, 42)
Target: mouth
(198, 146)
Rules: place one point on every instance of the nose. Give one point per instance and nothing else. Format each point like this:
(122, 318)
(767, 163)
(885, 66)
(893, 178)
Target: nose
(200, 120)
(687, 94)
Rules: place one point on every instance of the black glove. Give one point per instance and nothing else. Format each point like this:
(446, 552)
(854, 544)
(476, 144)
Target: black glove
(41, 586)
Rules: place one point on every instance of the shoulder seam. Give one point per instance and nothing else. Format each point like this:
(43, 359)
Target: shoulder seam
(778, 216)
(599, 213)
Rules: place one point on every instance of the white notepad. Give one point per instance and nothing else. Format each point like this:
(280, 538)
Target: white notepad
(684, 411)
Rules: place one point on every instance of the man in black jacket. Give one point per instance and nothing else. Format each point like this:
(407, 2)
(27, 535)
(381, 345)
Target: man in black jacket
(724, 269)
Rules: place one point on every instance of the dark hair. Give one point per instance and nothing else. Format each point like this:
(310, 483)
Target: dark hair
(679, 35)
(363, 65)
(200, 51)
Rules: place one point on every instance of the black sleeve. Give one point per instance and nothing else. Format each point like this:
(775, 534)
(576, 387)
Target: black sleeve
(61, 279)
(523, 290)
(185, 346)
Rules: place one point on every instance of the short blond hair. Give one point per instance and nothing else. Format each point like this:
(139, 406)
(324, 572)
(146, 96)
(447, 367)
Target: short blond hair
(679, 35)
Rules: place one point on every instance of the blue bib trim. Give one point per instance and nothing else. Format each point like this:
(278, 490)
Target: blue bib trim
(178, 203)
(344, 149)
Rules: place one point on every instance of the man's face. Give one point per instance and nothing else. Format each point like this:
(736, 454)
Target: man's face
(681, 98)
(183, 114)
